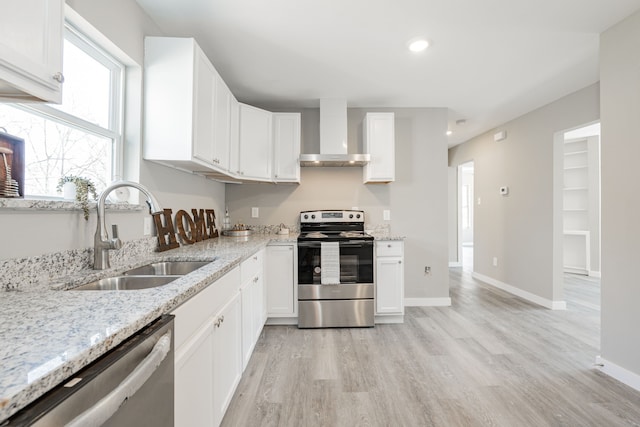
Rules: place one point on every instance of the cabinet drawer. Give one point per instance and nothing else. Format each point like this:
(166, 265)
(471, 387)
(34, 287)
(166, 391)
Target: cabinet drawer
(389, 248)
(195, 312)
(251, 266)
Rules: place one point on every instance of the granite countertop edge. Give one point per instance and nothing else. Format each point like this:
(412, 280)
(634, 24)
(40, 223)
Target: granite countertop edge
(48, 335)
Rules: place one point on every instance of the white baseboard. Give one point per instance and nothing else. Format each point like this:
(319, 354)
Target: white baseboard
(619, 373)
(427, 302)
(386, 319)
(595, 274)
(553, 305)
(455, 264)
(282, 321)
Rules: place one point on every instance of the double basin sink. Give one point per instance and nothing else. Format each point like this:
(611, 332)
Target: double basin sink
(145, 277)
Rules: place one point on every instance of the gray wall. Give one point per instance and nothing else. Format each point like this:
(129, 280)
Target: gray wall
(417, 199)
(518, 229)
(620, 96)
(38, 232)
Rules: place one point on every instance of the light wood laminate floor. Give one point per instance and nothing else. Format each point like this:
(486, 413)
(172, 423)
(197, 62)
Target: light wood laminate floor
(491, 359)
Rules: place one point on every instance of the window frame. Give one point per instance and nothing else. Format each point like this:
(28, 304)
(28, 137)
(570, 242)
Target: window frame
(115, 130)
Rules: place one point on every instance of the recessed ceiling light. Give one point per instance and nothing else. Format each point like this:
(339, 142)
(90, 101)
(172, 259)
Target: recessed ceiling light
(449, 132)
(418, 44)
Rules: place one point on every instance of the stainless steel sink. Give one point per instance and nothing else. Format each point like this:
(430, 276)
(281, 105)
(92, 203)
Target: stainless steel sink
(126, 283)
(167, 268)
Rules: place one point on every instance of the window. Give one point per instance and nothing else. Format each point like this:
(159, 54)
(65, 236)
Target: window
(83, 135)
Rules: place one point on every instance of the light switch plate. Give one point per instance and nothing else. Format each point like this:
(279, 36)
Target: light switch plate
(255, 212)
(386, 215)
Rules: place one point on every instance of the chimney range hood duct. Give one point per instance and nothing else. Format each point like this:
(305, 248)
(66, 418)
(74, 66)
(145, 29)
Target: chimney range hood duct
(333, 138)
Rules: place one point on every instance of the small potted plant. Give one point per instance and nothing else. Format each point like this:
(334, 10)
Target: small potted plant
(83, 187)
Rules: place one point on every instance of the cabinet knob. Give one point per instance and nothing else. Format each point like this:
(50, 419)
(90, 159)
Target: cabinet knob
(59, 77)
(399, 262)
(222, 318)
(388, 246)
(255, 279)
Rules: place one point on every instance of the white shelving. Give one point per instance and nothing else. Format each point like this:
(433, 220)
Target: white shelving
(580, 203)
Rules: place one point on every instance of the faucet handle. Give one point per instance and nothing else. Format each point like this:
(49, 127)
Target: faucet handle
(115, 242)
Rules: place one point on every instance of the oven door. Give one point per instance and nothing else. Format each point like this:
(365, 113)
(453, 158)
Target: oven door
(356, 262)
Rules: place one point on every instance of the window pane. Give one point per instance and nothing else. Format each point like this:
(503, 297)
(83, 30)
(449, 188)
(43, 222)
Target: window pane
(87, 87)
(54, 149)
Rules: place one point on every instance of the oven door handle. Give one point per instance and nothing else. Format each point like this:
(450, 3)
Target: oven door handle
(99, 413)
(354, 243)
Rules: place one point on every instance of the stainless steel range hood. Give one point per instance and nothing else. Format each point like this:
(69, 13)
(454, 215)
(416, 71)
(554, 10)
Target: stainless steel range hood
(333, 138)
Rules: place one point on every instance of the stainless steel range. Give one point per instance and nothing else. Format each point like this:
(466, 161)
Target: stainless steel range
(335, 270)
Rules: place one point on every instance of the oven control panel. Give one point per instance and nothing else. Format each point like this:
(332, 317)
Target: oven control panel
(331, 216)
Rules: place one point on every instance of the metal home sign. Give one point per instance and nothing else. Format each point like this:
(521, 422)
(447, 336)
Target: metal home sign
(200, 225)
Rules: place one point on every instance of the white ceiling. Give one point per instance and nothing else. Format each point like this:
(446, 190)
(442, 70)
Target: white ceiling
(490, 60)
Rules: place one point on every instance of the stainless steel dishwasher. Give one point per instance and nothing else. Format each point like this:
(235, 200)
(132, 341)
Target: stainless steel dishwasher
(132, 385)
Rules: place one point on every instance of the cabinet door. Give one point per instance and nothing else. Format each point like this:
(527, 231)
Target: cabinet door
(379, 142)
(286, 147)
(234, 143)
(222, 124)
(31, 50)
(389, 285)
(194, 380)
(204, 107)
(280, 280)
(227, 356)
(248, 295)
(255, 143)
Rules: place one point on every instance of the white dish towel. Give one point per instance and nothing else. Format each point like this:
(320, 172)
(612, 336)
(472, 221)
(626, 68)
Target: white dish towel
(329, 263)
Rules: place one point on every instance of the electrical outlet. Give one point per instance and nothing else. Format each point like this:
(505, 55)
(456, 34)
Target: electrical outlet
(255, 213)
(427, 270)
(495, 261)
(146, 226)
(386, 215)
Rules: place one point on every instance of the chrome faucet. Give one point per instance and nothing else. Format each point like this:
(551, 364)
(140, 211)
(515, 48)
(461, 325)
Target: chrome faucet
(101, 242)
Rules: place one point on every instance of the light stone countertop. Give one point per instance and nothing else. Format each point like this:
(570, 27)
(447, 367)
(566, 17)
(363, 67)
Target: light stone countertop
(48, 335)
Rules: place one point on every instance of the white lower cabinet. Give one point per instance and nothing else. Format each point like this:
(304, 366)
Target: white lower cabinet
(389, 280)
(253, 307)
(208, 360)
(194, 380)
(281, 283)
(227, 356)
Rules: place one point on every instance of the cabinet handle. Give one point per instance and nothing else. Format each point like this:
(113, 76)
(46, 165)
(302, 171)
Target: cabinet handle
(217, 322)
(255, 258)
(222, 319)
(255, 279)
(59, 77)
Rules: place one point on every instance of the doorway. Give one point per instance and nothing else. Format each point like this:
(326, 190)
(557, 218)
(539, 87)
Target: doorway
(581, 201)
(465, 215)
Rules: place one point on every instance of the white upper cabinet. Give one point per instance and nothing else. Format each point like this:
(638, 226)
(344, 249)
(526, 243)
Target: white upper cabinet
(31, 50)
(187, 123)
(379, 143)
(286, 147)
(222, 124)
(255, 144)
(234, 144)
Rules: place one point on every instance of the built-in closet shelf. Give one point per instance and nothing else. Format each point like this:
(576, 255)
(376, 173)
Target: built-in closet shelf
(578, 203)
(569, 168)
(576, 232)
